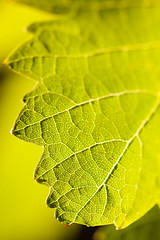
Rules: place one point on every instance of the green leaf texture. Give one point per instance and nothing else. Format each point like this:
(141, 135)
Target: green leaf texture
(95, 110)
(145, 229)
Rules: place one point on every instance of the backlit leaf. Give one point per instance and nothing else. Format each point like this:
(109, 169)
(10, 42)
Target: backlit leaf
(95, 109)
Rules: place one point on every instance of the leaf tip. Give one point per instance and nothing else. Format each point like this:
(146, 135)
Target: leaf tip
(34, 178)
(12, 131)
(5, 62)
(65, 224)
(118, 228)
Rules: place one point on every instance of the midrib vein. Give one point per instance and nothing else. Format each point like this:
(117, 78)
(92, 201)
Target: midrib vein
(144, 122)
(103, 51)
(126, 92)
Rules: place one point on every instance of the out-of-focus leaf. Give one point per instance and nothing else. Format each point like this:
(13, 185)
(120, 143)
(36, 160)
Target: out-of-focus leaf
(145, 229)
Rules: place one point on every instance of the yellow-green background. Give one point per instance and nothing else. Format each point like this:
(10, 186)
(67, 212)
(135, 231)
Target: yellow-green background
(23, 211)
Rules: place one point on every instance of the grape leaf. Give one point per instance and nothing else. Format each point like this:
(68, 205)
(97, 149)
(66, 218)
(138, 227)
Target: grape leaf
(95, 109)
(146, 228)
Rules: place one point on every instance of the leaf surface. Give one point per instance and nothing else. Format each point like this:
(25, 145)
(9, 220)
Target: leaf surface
(95, 109)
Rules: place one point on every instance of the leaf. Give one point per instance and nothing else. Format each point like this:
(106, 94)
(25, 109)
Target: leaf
(146, 228)
(95, 110)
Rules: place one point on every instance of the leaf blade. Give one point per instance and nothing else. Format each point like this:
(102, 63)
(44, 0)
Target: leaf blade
(89, 117)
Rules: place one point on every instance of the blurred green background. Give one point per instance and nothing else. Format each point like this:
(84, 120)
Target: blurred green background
(23, 212)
